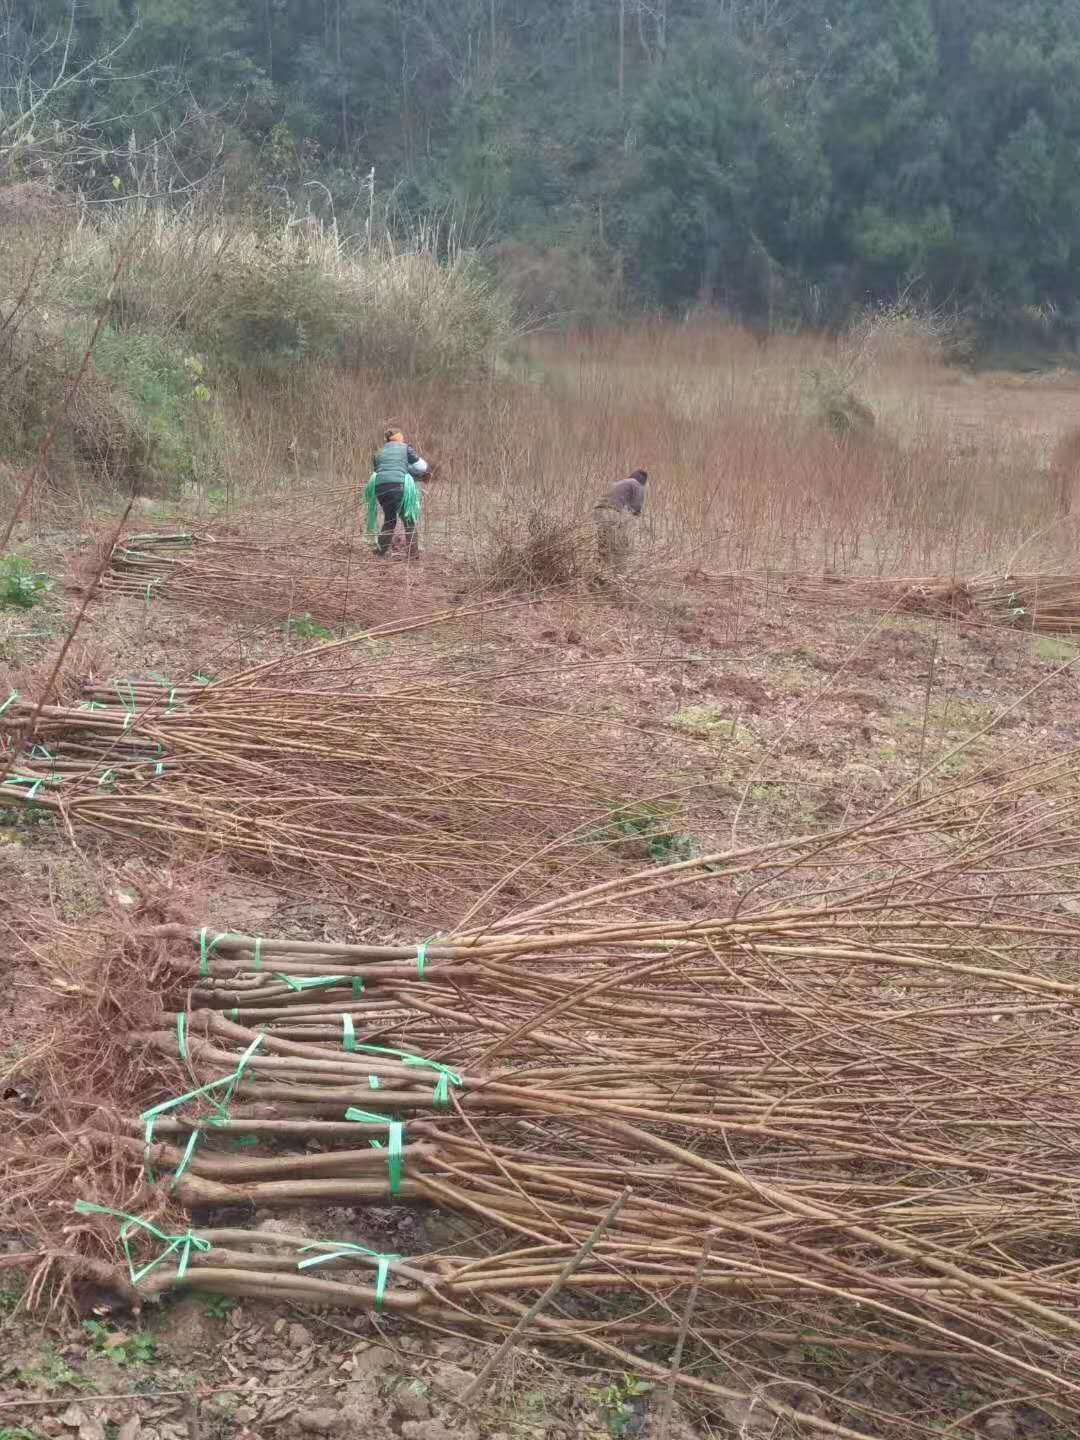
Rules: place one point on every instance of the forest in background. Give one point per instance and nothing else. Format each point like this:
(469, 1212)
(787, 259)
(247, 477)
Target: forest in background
(790, 160)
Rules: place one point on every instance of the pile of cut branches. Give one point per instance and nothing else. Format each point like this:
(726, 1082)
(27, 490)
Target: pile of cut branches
(864, 1132)
(842, 1123)
(1047, 604)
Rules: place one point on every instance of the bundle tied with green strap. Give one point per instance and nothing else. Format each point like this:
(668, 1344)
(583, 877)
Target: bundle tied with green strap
(410, 502)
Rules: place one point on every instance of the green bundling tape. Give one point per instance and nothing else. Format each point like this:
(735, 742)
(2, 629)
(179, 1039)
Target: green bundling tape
(374, 1082)
(348, 1033)
(35, 782)
(358, 985)
(159, 769)
(207, 948)
(314, 982)
(340, 1250)
(421, 959)
(108, 778)
(9, 701)
(185, 1243)
(229, 1082)
(39, 752)
(181, 1035)
(258, 954)
(233, 1014)
(395, 1130)
(185, 1159)
(447, 1077)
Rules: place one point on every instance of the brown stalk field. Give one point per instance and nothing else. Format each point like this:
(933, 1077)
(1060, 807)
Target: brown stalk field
(694, 949)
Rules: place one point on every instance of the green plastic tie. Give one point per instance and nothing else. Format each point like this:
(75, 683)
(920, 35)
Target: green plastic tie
(341, 1250)
(348, 1033)
(35, 782)
(258, 954)
(447, 1077)
(207, 948)
(159, 769)
(181, 1035)
(421, 959)
(185, 1243)
(395, 1130)
(374, 1082)
(312, 982)
(9, 701)
(358, 985)
(229, 1083)
(109, 778)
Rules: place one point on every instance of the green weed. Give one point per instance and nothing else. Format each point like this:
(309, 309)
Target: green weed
(709, 723)
(122, 1349)
(219, 1307)
(20, 585)
(303, 627)
(18, 1432)
(616, 1402)
(51, 1371)
(1054, 650)
(648, 825)
(10, 1294)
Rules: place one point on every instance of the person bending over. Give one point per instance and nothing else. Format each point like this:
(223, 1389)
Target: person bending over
(393, 490)
(614, 537)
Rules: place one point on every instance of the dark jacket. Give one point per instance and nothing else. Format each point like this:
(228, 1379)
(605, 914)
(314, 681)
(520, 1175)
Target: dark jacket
(393, 463)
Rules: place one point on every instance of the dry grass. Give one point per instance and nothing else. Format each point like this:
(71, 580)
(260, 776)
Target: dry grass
(952, 477)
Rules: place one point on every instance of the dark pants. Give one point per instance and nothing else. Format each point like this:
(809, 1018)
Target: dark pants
(390, 498)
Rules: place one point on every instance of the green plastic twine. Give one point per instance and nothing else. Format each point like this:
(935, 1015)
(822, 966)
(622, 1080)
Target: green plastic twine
(341, 1250)
(185, 1243)
(374, 1082)
(313, 982)
(447, 1077)
(9, 701)
(181, 1035)
(395, 1163)
(207, 948)
(228, 1082)
(348, 1033)
(34, 782)
(258, 954)
(421, 959)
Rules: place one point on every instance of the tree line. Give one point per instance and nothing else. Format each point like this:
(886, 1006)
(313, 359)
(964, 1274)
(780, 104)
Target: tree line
(786, 158)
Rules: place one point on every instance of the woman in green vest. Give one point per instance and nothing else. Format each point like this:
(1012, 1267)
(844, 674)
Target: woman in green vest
(393, 490)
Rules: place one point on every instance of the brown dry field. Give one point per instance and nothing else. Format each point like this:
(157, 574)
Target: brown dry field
(764, 713)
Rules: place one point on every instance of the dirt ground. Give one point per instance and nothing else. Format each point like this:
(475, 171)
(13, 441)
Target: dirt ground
(764, 715)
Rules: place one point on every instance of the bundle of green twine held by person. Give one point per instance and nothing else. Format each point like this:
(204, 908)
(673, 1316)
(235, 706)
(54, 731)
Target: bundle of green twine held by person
(393, 490)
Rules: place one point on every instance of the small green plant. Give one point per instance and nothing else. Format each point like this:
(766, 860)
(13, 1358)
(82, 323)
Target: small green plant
(20, 585)
(646, 827)
(121, 1348)
(303, 627)
(1054, 650)
(50, 1371)
(219, 1307)
(617, 1402)
(18, 1432)
(706, 722)
(10, 1295)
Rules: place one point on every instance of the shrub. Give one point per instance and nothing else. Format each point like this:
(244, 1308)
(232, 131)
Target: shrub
(538, 551)
(20, 585)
